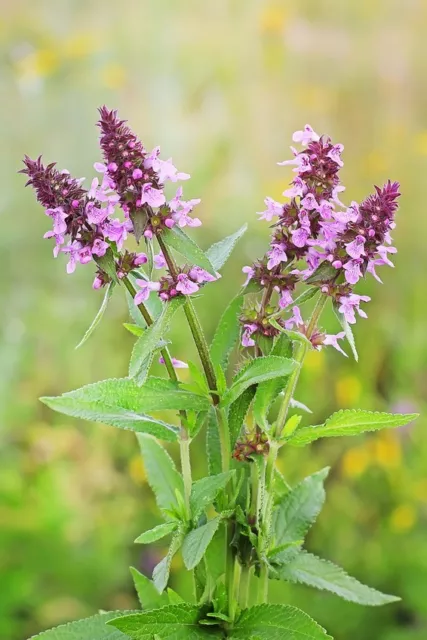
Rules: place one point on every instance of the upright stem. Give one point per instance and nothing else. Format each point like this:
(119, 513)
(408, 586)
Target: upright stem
(245, 581)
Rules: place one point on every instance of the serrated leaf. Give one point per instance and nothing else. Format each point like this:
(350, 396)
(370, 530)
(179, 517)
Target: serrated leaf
(350, 422)
(205, 490)
(174, 597)
(213, 444)
(162, 570)
(308, 569)
(347, 330)
(178, 240)
(108, 264)
(215, 555)
(162, 475)
(196, 542)
(227, 332)
(298, 510)
(112, 415)
(151, 337)
(139, 219)
(148, 595)
(134, 329)
(267, 392)
(108, 293)
(277, 622)
(237, 413)
(295, 336)
(324, 272)
(256, 371)
(306, 295)
(159, 532)
(176, 622)
(94, 628)
(219, 252)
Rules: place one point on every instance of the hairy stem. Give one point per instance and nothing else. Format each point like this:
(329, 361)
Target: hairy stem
(245, 583)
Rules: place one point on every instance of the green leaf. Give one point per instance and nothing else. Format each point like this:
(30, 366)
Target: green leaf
(299, 509)
(134, 329)
(295, 336)
(219, 252)
(148, 595)
(174, 622)
(351, 422)
(347, 330)
(114, 416)
(316, 572)
(196, 542)
(227, 332)
(94, 628)
(237, 413)
(108, 264)
(174, 597)
(150, 339)
(205, 490)
(157, 533)
(215, 556)
(108, 293)
(257, 371)
(324, 272)
(213, 444)
(277, 622)
(162, 570)
(162, 475)
(267, 392)
(139, 219)
(178, 240)
(306, 295)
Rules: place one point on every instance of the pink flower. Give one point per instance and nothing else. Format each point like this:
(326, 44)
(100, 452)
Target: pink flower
(166, 171)
(332, 340)
(159, 261)
(300, 236)
(178, 364)
(140, 258)
(273, 209)
(296, 190)
(152, 196)
(116, 232)
(185, 285)
(249, 329)
(59, 241)
(350, 304)
(352, 271)
(146, 287)
(73, 250)
(285, 299)
(335, 154)
(250, 273)
(295, 319)
(200, 275)
(97, 283)
(309, 202)
(356, 249)
(383, 251)
(94, 214)
(58, 216)
(306, 136)
(276, 256)
(99, 247)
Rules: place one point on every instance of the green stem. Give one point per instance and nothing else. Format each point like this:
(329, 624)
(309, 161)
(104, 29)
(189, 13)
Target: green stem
(245, 582)
(184, 447)
(262, 594)
(233, 586)
(224, 438)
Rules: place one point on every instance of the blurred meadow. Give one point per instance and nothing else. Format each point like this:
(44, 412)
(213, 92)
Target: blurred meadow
(220, 86)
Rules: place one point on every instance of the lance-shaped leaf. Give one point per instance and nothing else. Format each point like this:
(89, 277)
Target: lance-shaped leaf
(305, 296)
(237, 413)
(178, 240)
(219, 252)
(351, 422)
(108, 293)
(321, 574)
(227, 332)
(299, 509)
(159, 532)
(196, 542)
(324, 272)
(153, 335)
(94, 628)
(162, 475)
(267, 392)
(213, 443)
(162, 570)
(277, 622)
(256, 371)
(205, 490)
(174, 622)
(108, 264)
(148, 595)
(115, 416)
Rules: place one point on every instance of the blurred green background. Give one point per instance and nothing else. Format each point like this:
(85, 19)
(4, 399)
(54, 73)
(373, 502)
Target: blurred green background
(221, 85)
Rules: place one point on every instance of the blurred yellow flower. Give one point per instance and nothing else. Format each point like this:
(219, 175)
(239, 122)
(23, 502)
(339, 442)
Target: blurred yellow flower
(420, 143)
(314, 361)
(348, 390)
(137, 471)
(386, 450)
(41, 63)
(376, 162)
(80, 45)
(403, 518)
(113, 76)
(273, 18)
(355, 462)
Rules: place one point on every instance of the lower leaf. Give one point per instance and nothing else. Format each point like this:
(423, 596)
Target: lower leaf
(94, 628)
(277, 622)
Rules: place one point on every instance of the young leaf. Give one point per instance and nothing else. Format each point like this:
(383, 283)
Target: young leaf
(108, 293)
(213, 445)
(227, 332)
(174, 597)
(178, 240)
(94, 628)
(306, 295)
(148, 595)
(162, 475)
(205, 490)
(267, 392)
(237, 413)
(108, 264)
(324, 272)
(257, 371)
(299, 509)
(215, 554)
(295, 336)
(115, 416)
(157, 533)
(316, 572)
(350, 422)
(134, 329)
(276, 622)
(219, 252)
(177, 622)
(162, 570)
(196, 542)
(347, 330)
(150, 339)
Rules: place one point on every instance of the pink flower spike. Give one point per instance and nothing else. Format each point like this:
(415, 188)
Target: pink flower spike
(332, 340)
(309, 202)
(97, 283)
(296, 190)
(306, 136)
(185, 285)
(247, 341)
(140, 258)
(178, 364)
(273, 209)
(159, 261)
(285, 299)
(153, 197)
(295, 319)
(276, 256)
(100, 167)
(352, 271)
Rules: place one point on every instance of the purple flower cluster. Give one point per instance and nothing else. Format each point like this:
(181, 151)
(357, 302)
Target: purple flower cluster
(315, 229)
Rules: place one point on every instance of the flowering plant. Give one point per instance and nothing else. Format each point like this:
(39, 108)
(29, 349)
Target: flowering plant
(242, 525)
